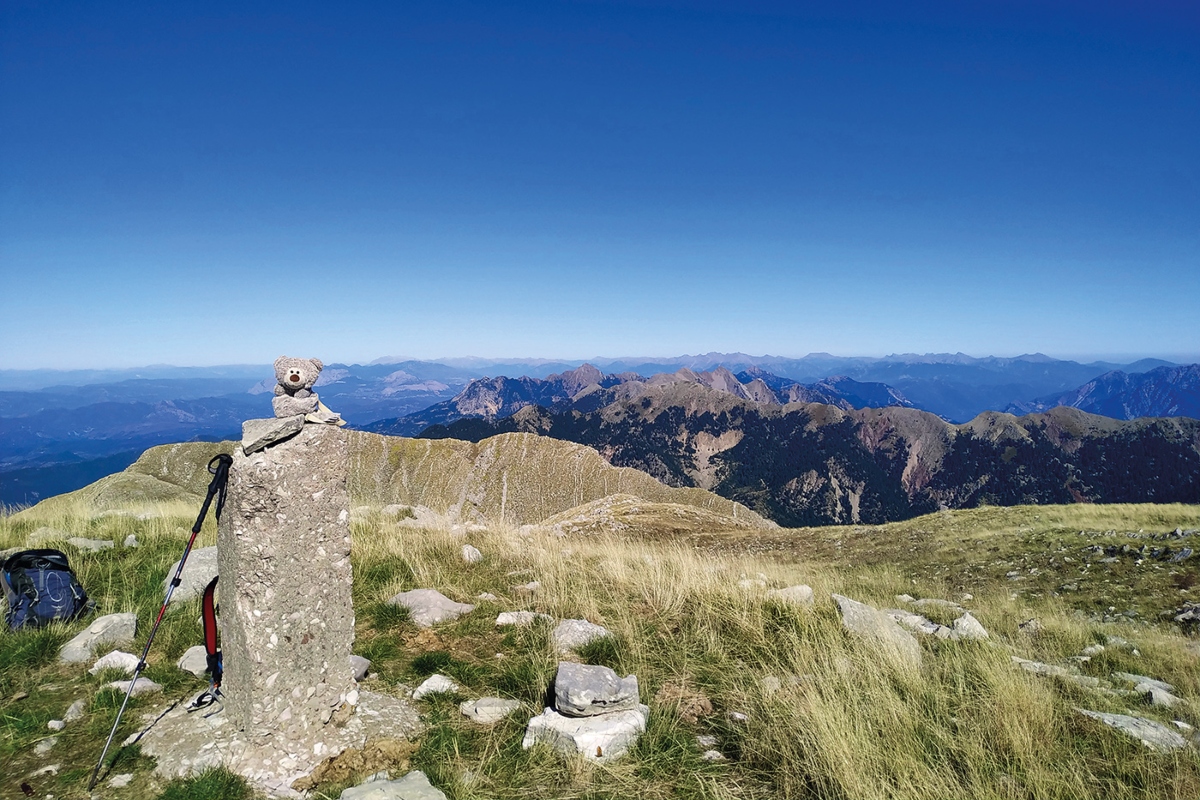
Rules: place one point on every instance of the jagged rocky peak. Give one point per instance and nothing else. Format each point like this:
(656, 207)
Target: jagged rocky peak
(576, 380)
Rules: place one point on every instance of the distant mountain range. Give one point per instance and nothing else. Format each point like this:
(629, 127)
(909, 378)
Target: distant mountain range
(59, 430)
(1161, 392)
(815, 463)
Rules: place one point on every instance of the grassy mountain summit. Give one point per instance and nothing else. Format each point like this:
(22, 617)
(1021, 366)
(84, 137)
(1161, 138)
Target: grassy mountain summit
(751, 696)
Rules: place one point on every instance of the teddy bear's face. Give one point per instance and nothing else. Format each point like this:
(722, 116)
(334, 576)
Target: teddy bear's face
(295, 374)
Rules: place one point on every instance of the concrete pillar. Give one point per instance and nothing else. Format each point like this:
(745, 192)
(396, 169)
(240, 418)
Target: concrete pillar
(287, 624)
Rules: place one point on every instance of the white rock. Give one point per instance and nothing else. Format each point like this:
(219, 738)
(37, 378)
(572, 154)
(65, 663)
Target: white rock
(572, 634)
(120, 781)
(1093, 650)
(194, 660)
(1141, 680)
(488, 596)
(867, 622)
(56, 724)
(967, 627)
(359, 666)
(1157, 697)
(530, 587)
(434, 684)
(585, 690)
(706, 740)
(428, 607)
(506, 618)
(198, 572)
(131, 541)
(799, 595)
(75, 711)
(1153, 734)
(752, 583)
(109, 629)
(471, 555)
(45, 746)
(918, 623)
(770, 684)
(413, 786)
(117, 659)
(599, 738)
(712, 755)
(488, 710)
(144, 686)
(91, 545)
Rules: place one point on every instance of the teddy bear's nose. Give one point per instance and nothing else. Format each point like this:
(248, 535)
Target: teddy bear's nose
(295, 377)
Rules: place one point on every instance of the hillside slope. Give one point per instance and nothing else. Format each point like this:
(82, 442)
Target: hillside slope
(512, 479)
(1161, 392)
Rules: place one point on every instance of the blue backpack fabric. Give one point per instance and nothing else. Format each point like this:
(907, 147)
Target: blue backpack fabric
(40, 588)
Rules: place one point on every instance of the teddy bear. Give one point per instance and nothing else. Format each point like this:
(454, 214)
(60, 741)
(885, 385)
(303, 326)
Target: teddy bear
(294, 394)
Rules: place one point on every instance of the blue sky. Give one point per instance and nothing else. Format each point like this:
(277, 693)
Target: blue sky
(206, 183)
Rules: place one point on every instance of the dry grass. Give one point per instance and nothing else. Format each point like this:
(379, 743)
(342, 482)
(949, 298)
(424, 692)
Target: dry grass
(845, 720)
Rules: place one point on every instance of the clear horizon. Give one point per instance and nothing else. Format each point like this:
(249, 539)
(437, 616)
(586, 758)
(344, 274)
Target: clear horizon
(221, 183)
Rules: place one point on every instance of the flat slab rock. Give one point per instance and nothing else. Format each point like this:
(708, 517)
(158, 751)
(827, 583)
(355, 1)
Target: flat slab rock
(91, 545)
(194, 660)
(586, 690)
(258, 434)
(488, 710)
(1151, 733)
(506, 618)
(869, 623)
(572, 634)
(111, 629)
(116, 659)
(413, 786)
(428, 607)
(600, 738)
(186, 744)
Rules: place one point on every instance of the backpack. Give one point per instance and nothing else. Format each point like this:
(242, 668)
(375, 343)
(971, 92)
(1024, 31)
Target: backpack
(40, 588)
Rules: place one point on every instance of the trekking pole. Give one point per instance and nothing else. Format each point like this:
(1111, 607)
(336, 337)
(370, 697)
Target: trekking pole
(216, 488)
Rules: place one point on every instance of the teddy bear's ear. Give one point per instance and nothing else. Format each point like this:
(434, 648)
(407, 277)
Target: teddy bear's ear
(317, 363)
(279, 362)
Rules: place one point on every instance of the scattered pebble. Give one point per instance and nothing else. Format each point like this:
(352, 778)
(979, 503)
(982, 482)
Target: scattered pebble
(120, 781)
(56, 724)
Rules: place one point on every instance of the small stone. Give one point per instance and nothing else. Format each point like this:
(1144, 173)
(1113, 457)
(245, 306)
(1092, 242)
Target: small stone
(359, 666)
(1141, 680)
(117, 659)
(45, 746)
(120, 781)
(906, 598)
(529, 588)
(750, 584)
(1157, 697)
(712, 755)
(433, 685)
(597, 738)
(258, 434)
(471, 555)
(20, 696)
(738, 716)
(56, 724)
(131, 541)
(109, 629)
(1092, 650)
(75, 711)
(585, 690)
(194, 660)
(799, 595)
(144, 686)
(428, 607)
(91, 545)
(935, 602)
(571, 634)
(771, 684)
(522, 618)
(707, 740)
(967, 627)
(487, 597)
(1030, 627)
(488, 710)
